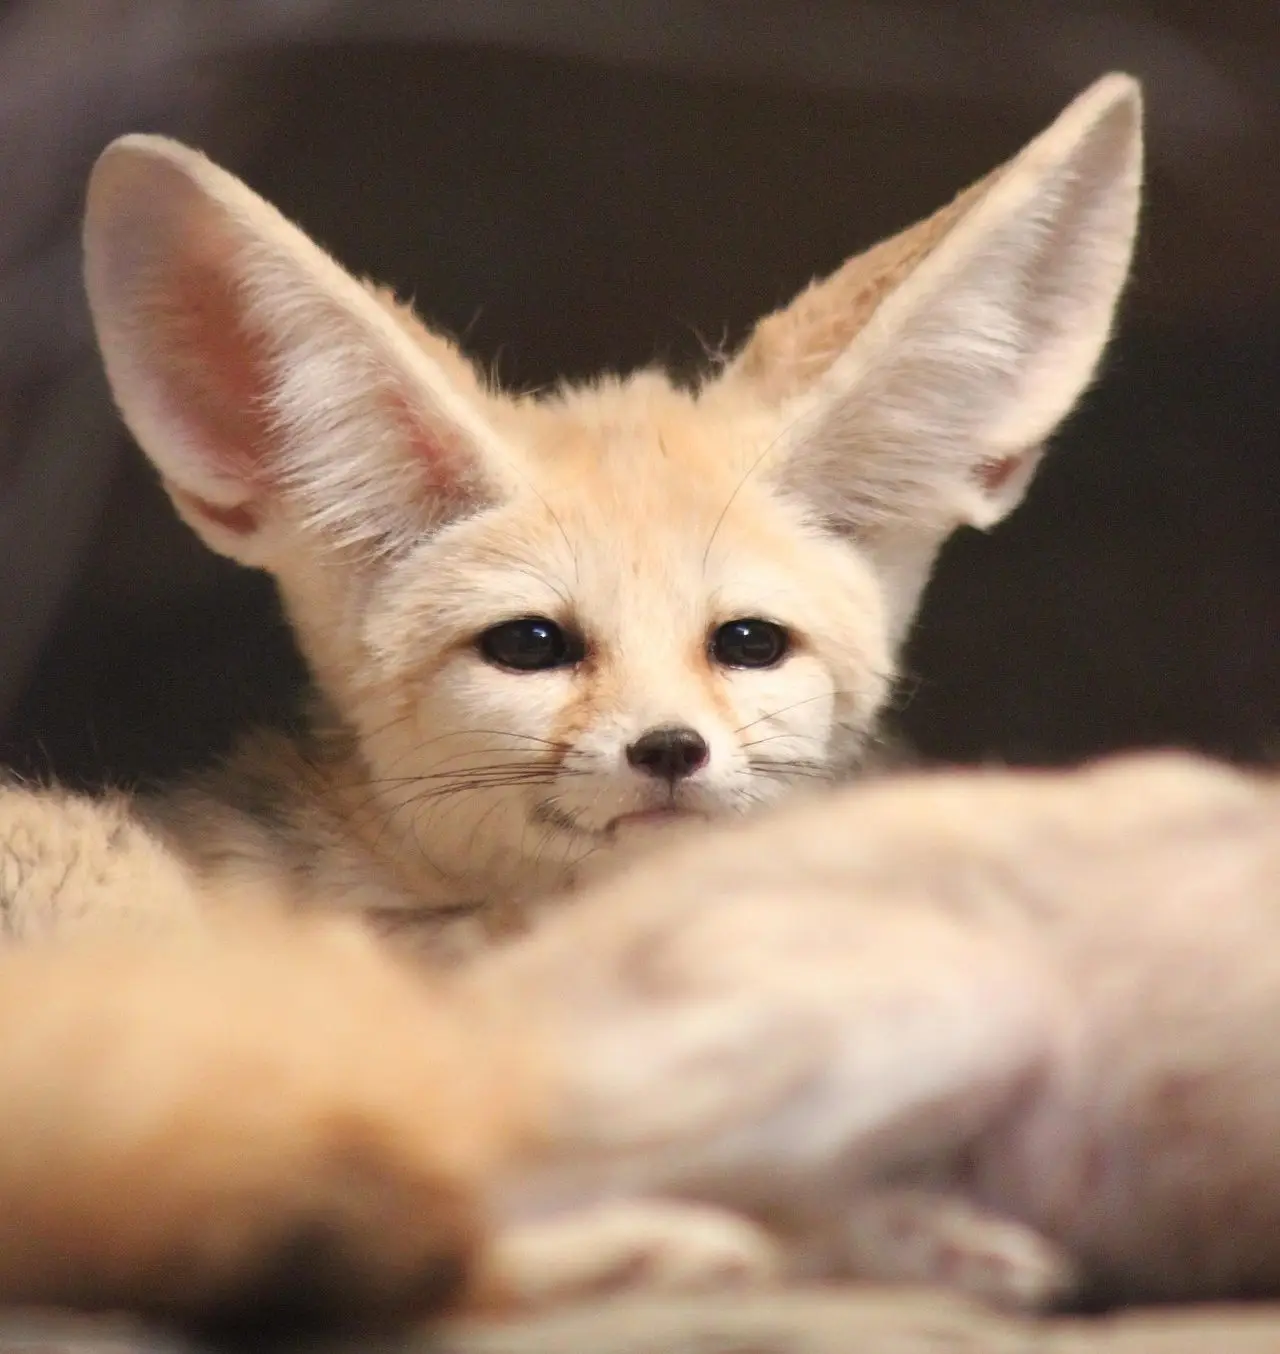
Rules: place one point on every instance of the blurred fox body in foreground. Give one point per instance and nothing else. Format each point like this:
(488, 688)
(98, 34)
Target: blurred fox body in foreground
(541, 629)
(1010, 1031)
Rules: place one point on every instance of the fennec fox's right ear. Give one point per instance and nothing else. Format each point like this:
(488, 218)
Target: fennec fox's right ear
(270, 388)
(921, 379)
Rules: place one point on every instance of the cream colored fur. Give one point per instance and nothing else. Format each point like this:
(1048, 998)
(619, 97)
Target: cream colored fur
(755, 1054)
(1007, 1031)
(307, 425)
(1010, 1031)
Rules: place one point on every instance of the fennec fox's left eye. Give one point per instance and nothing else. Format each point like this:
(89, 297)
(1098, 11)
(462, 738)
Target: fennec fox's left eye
(749, 643)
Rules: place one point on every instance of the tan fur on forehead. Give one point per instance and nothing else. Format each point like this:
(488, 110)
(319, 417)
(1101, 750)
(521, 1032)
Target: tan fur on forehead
(647, 463)
(635, 424)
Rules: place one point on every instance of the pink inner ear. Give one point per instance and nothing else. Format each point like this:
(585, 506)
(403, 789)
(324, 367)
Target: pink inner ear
(218, 377)
(239, 521)
(994, 475)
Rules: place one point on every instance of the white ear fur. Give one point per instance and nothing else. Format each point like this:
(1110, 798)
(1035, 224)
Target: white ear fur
(269, 387)
(935, 413)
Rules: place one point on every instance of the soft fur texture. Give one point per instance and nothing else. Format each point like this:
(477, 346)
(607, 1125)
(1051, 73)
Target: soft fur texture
(1008, 1031)
(260, 1129)
(306, 424)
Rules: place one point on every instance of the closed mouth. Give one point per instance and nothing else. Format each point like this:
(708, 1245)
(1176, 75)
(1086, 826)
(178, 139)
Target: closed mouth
(665, 815)
(659, 817)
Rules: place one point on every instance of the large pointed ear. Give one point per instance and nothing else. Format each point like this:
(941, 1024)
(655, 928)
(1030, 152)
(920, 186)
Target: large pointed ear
(273, 391)
(919, 382)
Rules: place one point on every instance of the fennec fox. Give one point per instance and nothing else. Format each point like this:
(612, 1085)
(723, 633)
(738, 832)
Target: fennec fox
(1011, 1031)
(542, 627)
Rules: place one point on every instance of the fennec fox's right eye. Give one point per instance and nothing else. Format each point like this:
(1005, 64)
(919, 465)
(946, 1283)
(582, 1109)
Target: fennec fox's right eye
(530, 644)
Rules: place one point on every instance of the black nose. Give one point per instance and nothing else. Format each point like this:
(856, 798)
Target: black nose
(670, 753)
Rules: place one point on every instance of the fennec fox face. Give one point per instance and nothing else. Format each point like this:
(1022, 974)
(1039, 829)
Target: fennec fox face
(551, 622)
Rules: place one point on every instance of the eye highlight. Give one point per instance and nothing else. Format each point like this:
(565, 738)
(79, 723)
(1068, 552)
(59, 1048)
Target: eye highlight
(749, 643)
(530, 644)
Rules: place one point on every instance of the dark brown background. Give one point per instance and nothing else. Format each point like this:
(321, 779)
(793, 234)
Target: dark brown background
(582, 186)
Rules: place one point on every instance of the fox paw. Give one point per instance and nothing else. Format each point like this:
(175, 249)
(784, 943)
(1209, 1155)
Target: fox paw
(921, 1237)
(629, 1244)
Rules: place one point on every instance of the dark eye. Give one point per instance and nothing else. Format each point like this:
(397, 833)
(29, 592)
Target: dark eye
(531, 644)
(749, 644)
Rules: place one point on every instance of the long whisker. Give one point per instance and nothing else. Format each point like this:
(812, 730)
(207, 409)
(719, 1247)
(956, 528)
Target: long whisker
(791, 768)
(836, 694)
(784, 709)
(776, 737)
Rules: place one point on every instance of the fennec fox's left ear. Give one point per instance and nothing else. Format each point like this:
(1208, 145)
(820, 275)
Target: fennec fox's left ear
(920, 381)
(272, 390)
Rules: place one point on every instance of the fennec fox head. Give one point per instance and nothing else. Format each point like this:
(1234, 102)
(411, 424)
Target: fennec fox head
(562, 617)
